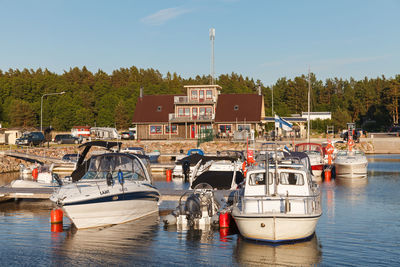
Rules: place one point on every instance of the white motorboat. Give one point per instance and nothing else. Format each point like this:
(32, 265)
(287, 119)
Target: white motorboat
(283, 206)
(45, 177)
(117, 188)
(351, 164)
(316, 155)
(194, 165)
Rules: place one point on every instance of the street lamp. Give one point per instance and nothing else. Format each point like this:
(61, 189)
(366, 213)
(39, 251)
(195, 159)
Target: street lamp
(41, 107)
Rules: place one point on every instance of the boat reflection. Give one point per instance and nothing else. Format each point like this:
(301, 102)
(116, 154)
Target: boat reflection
(201, 234)
(114, 245)
(355, 188)
(261, 254)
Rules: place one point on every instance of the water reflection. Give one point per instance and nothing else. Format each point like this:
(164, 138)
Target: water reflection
(355, 189)
(299, 254)
(114, 245)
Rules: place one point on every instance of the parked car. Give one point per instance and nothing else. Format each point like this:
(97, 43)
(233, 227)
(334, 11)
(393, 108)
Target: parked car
(128, 136)
(67, 139)
(356, 135)
(70, 157)
(31, 139)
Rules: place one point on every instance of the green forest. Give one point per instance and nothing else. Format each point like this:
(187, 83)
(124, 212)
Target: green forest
(101, 99)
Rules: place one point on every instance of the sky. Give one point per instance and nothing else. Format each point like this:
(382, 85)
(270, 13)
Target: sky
(264, 40)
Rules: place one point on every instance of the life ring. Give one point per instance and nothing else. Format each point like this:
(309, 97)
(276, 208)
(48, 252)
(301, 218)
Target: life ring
(329, 149)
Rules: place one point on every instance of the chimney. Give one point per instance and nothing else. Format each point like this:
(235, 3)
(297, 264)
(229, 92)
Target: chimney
(259, 89)
(141, 92)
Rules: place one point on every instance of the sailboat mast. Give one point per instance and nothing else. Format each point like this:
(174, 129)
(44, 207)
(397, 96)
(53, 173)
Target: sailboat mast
(308, 103)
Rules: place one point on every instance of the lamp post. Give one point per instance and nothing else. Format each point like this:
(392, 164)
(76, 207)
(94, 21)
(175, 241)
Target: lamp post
(41, 107)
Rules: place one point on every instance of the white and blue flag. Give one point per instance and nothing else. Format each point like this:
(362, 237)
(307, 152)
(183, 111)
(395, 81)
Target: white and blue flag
(283, 124)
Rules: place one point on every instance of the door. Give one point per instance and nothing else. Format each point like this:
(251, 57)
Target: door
(201, 96)
(194, 113)
(192, 131)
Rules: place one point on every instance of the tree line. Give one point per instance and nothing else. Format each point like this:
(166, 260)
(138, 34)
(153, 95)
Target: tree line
(101, 99)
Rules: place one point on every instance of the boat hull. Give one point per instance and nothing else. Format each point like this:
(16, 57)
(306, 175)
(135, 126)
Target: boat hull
(317, 169)
(109, 212)
(271, 228)
(351, 170)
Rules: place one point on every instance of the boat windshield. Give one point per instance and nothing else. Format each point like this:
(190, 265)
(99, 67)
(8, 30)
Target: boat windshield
(101, 165)
(345, 153)
(313, 148)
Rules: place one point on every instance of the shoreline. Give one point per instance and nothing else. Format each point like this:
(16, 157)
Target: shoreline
(370, 146)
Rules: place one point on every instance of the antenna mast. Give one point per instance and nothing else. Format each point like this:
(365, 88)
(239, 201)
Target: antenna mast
(212, 38)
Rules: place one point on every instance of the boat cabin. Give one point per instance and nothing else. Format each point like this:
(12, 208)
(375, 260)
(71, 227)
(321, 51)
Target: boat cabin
(285, 184)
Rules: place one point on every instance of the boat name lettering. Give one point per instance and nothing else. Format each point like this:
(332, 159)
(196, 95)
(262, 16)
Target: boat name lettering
(123, 189)
(104, 192)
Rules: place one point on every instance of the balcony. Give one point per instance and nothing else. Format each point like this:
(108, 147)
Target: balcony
(173, 117)
(187, 100)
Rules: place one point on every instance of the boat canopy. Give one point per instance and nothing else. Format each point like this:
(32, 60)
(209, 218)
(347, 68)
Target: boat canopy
(195, 158)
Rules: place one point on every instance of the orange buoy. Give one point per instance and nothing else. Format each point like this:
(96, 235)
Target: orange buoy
(327, 174)
(35, 173)
(168, 173)
(224, 220)
(56, 228)
(56, 216)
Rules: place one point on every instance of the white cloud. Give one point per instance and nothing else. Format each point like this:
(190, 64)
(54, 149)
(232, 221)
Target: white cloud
(163, 15)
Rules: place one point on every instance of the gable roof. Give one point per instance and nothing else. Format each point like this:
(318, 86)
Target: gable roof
(153, 108)
(239, 107)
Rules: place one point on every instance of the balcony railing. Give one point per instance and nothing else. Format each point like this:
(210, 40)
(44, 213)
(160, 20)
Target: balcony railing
(173, 117)
(187, 100)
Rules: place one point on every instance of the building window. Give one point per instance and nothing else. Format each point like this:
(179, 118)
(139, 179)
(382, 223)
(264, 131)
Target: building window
(225, 128)
(180, 112)
(202, 111)
(236, 107)
(187, 112)
(205, 127)
(244, 127)
(159, 108)
(156, 129)
(208, 111)
(193, 94)
(209, 94)
(174, 129)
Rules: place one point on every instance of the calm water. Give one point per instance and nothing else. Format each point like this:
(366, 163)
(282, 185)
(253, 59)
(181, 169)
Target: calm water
(360, 226)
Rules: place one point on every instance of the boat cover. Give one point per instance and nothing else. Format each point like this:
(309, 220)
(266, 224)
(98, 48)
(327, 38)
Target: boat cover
(218, 179)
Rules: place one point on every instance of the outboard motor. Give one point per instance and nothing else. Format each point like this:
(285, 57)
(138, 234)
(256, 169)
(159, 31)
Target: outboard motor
(186, 170)
(193, 207)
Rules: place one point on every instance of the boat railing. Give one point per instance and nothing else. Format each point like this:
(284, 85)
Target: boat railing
(291, 205)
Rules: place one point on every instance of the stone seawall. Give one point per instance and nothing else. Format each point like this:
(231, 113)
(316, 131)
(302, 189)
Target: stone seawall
(368, 145)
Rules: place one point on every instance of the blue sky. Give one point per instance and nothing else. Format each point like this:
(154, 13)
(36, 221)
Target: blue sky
(263, 40)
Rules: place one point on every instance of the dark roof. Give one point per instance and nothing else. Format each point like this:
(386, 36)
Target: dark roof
(238, 107)
(153, 108)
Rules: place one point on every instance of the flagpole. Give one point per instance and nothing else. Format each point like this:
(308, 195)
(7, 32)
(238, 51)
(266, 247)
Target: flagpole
(308, 104)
